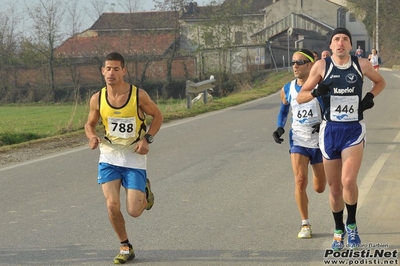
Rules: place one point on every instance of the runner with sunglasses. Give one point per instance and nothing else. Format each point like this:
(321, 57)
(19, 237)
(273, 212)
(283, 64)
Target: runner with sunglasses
(303, 136)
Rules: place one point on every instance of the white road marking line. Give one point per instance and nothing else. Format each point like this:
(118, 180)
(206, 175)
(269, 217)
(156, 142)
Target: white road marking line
(397, 138)
(44, 158)
(366, 184)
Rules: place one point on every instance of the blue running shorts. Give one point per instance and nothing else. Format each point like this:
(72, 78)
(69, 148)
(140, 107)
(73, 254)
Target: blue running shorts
(334, 137)
(314, 154)
(130, 178)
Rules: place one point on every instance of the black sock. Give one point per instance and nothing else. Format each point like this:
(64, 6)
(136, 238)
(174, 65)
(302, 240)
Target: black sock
(351, 213)
(338, 217)
(126, 242)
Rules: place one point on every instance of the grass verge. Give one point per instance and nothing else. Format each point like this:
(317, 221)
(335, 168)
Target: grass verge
(25, 123)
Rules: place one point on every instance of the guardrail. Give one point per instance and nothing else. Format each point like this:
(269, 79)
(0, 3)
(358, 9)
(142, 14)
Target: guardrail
(193, 89)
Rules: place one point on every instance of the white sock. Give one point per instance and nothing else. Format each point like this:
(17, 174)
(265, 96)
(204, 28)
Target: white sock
(305, 222)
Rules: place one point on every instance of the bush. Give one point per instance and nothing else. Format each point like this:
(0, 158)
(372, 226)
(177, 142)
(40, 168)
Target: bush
(11, 138)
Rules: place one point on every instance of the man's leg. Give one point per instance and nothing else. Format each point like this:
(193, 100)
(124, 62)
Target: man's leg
(333, 170)
(319, 179)
(136, 184)
(135, 202)
(300, 171)
(352, 158)
(111, 191)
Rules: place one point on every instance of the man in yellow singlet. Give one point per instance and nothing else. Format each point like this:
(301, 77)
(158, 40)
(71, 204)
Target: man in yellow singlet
(122, 108)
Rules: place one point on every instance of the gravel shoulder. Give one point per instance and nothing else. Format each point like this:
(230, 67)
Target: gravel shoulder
(10, 155)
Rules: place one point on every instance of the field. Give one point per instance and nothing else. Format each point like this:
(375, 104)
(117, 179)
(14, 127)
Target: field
(22, 123)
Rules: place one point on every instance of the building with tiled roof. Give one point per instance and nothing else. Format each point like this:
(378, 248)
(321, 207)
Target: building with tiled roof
(156, 44)
(136, 22)
(146, 39)
(141, 33)
(196, 45)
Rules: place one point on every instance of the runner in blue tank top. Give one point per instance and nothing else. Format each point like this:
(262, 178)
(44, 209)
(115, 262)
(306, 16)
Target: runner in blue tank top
(342, 134)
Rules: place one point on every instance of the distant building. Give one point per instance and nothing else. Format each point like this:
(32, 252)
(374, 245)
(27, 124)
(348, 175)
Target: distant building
(196, 46)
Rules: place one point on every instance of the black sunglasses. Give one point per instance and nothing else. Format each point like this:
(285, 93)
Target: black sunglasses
(300, 62)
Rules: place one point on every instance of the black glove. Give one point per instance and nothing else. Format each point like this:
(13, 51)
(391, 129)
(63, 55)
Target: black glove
(321, 90)
(277, 135)
(315, 128)
(367, 102)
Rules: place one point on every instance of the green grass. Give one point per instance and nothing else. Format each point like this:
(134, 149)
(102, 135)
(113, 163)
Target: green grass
(22, 123)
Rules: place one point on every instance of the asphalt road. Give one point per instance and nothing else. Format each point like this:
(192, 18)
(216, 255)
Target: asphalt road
(223, 190)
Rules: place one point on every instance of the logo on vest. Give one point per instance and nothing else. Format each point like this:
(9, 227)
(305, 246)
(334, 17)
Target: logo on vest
(334, 76)
(344, 91)
(351, 78)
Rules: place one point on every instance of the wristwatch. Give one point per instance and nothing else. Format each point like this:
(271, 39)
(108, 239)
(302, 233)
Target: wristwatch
(149, 138)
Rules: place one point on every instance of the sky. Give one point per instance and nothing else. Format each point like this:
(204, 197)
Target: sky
(88, 18)
(149, 5)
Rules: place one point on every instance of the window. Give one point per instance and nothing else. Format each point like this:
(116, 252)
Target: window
(238, 37)
(208, 39)
(352, 17)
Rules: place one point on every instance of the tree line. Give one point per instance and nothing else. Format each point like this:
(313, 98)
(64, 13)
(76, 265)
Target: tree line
(32, 44)
(51, 22)
(388, 25)
(30, 32)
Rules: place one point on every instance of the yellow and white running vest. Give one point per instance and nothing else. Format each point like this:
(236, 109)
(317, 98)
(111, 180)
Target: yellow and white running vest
(123, 128)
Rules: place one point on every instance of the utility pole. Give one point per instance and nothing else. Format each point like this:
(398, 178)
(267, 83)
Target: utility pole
(289, 32)
(377, 26)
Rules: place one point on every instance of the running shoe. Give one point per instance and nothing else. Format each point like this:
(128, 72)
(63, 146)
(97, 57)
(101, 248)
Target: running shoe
(305, 231)
(125, 254)
(353, 239)
(149, 195)
(338, 240)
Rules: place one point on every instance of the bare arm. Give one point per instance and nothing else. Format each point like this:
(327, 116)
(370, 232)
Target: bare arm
(150, 108)
(283, 97)
(373, 75)
(315, 77)
(93, 118)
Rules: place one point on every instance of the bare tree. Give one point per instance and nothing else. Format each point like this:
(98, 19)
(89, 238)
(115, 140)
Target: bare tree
(221, 28)
(389, 22)
(131, 5)
(74, 19)
(9, 48)
(174, 6)
(47, 17)
(98, 6)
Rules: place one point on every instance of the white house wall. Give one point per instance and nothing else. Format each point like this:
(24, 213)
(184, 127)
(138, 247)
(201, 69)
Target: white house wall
(319, 9)
(275, 19)
(239, 60)
(192, 32)
(358, 33)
